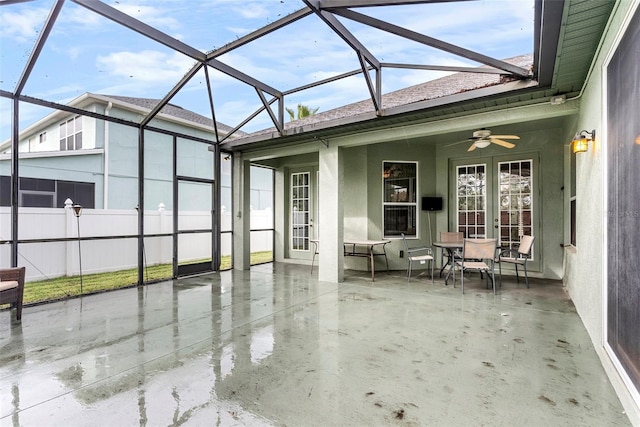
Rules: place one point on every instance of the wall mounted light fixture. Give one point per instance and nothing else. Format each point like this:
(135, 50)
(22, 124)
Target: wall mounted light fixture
(580, 143)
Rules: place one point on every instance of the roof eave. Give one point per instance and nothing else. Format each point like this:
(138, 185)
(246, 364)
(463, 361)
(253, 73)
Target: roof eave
(311, 128)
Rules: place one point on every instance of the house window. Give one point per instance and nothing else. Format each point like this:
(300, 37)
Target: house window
(399, 199)
(47, 193)
(471, 195)
(71, 134)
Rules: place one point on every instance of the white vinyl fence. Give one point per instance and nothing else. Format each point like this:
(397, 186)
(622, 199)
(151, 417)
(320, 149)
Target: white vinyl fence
(47, 260)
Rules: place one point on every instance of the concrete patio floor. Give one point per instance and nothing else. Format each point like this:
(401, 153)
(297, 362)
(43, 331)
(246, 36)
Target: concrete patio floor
(273, 346)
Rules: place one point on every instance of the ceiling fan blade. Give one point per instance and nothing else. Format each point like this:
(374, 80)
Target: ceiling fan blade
(459, 142)
(505, 136)
(502, 143)
(473, 147)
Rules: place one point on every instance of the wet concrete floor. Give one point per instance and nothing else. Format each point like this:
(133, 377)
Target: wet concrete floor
(273, 346)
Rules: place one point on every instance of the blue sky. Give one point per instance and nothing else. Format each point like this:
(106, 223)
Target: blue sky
(88, 53)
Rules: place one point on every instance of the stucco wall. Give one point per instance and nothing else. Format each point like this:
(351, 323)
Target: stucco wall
(355, 200)
(585, 267)
(416, 150)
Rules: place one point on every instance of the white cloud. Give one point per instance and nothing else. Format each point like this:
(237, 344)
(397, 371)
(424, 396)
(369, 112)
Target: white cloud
(150, 15)
(25, 25)
(53, 92)
(73, 52)
(480, 26)
(146, 66)
(252, 11)
(81, 17)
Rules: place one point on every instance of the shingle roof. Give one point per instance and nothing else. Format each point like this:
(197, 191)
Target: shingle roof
(173, 110)
(444, 86)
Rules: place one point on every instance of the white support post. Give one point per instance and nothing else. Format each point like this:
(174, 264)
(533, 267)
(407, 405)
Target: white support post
(331, 209)
(241, 213)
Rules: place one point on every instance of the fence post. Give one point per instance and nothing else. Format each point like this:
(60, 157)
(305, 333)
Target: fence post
(162, 250)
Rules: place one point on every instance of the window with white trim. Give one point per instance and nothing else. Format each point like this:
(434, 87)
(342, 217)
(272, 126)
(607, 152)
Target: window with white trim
(71, 134)
(399, 199)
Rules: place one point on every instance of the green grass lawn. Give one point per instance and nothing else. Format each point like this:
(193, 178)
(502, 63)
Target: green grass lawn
(69, 286)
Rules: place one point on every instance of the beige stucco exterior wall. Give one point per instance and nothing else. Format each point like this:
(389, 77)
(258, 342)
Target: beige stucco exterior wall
(585, 266)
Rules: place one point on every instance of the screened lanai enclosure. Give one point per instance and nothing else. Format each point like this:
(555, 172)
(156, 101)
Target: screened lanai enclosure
(146, 140)
(130, 110)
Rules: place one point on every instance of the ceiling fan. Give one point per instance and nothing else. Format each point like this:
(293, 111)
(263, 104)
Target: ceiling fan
(482, 138)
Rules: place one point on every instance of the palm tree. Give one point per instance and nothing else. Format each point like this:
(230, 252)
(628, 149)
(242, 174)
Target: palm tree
(303, 111)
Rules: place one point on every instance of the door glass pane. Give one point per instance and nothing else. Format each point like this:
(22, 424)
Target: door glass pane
(195, 247)
(194, 159)
(515, 201)
(471, 200)
(300, 211)
(195, 203)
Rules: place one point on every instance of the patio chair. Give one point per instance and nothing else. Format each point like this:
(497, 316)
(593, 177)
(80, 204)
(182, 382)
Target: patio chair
(478, 255)
(12, 288)
(517, 257)
(420, 254)
(447, 237)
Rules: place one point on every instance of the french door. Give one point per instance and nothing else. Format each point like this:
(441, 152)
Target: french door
(495, 197)
(302, 212)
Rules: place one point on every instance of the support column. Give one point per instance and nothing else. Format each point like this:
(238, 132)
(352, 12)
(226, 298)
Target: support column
(331, 210)
(15, 176)
(280, 216)
(241, 213)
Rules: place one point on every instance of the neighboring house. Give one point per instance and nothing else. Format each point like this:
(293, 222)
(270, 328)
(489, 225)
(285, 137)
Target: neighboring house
(95, 162)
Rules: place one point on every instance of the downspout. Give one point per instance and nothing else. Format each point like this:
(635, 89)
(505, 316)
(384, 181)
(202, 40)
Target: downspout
(105, 168)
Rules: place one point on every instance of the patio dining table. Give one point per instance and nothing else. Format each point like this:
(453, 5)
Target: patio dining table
(451, 248)
(367, 248)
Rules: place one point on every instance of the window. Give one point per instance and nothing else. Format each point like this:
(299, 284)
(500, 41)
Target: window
(47, 193)
(399, 204)
(71, 134)
(471, 199)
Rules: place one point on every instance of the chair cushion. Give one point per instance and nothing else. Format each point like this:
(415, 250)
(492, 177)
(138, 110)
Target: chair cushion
(11, 284)
(475, 265)
(421, 258)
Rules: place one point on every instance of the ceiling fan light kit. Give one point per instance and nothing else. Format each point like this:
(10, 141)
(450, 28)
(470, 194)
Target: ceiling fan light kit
(482, 138)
